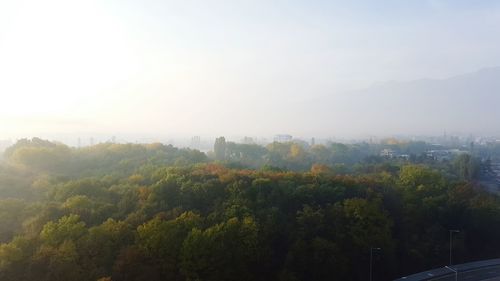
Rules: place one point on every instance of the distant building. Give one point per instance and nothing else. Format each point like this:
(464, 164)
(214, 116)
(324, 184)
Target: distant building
(439, 155)
(248, 140)
(387, 153)
(404, 156)
(195, 142)
(283, 138)
(444, 154)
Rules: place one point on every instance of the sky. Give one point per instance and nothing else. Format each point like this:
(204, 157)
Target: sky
(183, 68)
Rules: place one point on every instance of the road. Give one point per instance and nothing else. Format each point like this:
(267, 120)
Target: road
(489, 273)
(473, 271)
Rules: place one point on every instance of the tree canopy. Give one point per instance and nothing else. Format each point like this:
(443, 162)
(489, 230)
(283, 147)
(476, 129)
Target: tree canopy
(285, 212)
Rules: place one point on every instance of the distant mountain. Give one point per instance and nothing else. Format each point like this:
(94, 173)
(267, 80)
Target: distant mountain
(468, 103)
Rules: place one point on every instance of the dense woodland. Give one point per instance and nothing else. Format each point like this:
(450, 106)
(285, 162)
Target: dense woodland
(286, 211)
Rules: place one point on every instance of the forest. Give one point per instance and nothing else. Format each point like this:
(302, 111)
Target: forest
(285, 211)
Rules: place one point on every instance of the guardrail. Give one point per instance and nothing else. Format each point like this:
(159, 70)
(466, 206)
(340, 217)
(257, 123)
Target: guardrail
(478, 270)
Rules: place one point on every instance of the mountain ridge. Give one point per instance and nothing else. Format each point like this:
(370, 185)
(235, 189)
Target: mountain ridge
(464, 103)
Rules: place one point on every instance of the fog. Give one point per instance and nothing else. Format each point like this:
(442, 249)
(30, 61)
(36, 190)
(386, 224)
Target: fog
(169, 69)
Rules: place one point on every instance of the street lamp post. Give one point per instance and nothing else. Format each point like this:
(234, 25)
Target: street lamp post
(451, 242)
(371, 260)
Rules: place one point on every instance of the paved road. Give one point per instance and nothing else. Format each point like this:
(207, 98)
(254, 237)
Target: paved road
(473, 271)
(489, 273)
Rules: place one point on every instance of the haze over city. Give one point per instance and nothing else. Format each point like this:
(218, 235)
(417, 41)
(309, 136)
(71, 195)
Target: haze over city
(183, 68)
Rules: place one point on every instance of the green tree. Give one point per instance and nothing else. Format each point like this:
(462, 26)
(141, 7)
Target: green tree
(66, 228)
(467, 167)
(225, 251)
(102, 245)
(161, 241)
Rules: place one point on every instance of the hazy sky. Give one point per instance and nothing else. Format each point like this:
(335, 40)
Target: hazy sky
(222, 67)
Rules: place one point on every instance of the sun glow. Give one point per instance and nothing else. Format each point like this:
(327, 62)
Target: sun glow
(57, 56)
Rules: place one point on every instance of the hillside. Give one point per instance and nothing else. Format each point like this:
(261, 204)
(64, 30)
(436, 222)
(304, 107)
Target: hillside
(464, 104)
